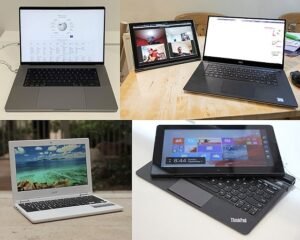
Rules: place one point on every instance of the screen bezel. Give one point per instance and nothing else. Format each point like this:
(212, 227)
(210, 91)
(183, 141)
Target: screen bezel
(241, 61)
(62, 8)
(51, 192)
(138, 67)
(276, 170)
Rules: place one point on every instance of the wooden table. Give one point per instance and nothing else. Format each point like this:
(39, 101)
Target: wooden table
(13, 226)
(158, 94)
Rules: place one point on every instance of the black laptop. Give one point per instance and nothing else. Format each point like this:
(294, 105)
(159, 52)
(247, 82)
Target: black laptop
(244, 58)
(231, 173)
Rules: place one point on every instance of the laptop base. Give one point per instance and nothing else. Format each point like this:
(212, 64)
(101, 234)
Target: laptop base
(207, 203)
(69, 212)
(62, 99)
(281, 95)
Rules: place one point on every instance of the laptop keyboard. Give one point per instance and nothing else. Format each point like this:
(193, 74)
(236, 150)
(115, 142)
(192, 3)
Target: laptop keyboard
(239, 73)
(52, 77)
(250, 195)
(62, 203)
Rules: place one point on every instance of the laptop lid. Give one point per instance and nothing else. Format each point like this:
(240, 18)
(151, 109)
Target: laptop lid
(49, 168)
(246, 41)
(158, 44)
(59, 35)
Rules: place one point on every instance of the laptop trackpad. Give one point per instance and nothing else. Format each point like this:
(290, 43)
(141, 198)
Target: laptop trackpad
(190, 192)
(237, 89)
(61, 98)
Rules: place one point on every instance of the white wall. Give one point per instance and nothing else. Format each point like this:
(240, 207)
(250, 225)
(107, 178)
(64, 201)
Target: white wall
(9, 10)
(153, 10)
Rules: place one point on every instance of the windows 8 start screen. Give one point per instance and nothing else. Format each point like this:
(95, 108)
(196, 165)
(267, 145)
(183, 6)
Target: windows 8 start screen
(216, 148)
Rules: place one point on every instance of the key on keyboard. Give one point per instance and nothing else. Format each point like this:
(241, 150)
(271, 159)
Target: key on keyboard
(39, 77)
(62, 203)
(239, 73)
(248, 194)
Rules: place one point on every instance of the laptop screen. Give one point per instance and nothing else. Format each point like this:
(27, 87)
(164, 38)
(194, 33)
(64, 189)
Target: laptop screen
(246, 39)
(62, 35)
(216, 148)
(50, 166)
(159, 43)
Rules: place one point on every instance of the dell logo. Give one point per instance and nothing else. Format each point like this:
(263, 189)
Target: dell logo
(240, 62)
(280, 100)
(238, 220)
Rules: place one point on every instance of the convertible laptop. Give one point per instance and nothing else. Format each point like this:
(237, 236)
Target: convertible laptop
(223, 157)
(51, 180)
(158, 44)
(62, 61)
(244, 58)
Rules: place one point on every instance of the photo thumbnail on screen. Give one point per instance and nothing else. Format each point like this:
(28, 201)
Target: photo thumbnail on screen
(181, 41)
(151, 45)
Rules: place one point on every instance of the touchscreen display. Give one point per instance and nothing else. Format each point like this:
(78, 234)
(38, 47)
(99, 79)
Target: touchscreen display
(164, 42)
(216, 148)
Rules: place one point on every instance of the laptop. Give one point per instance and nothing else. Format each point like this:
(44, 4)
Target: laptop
(51, 180)
(244, 58)
(62, 61)
(160, 44)
(233, 174)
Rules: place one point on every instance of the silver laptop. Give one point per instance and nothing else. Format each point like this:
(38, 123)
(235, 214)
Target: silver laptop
(62, 61)
(51, 180)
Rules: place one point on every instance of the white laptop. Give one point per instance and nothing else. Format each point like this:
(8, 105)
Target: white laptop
(51, 180)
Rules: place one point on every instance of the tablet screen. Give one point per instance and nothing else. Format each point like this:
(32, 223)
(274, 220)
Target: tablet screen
(198, 150)
(163, 43)
(216, 148)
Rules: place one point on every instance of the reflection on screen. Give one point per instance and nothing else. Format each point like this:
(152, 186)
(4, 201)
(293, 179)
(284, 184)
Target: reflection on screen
(164, 42)
(216, 148)
(245, 39)
(55, 166)
(62, 35)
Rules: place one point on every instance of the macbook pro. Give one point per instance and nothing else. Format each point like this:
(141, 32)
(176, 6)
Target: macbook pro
(62, 61)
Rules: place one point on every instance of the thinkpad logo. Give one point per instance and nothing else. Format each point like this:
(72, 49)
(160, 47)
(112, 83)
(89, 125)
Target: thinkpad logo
(238, 220)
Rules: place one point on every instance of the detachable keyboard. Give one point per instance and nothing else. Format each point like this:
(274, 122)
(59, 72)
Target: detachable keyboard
(249, 194)
(239, 73)
(52, 77)
(62, 203)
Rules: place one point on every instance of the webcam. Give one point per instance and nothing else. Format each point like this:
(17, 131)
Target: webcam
(295, 78)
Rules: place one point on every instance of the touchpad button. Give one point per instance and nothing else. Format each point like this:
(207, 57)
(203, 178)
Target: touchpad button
(190, 192)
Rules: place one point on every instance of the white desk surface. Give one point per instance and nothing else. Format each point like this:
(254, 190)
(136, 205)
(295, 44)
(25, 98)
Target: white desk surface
(14, 226)
(12, 56)
(158, 215)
